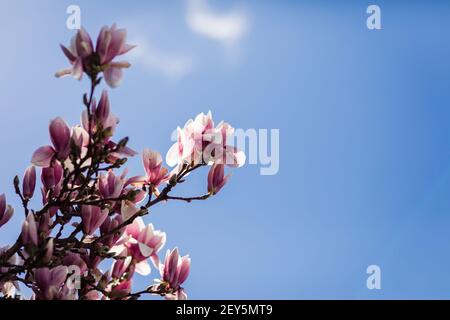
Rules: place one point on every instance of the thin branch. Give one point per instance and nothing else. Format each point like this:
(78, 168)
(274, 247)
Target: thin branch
(189, 199)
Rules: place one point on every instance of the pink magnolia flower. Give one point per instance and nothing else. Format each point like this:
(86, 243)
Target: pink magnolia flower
(175, 271)
(92, 218)
(155, 173)
(6, 211)
(51, 177)
(152, 161)
(43, 156)
(190, 142)
(222, 152)
(122, 266)
(81, 138)
(142, 242)
(78, 53)
(110, 185)
(111, 223)
(30, 230)
(60, 134)
(49, 282)
(81, 55)
(181, 151)
(29, 182)
(216, 178)
(200, 142)
(101, 116)
(111, 42)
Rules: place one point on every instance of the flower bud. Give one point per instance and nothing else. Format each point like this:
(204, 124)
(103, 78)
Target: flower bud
(80, 136)
(102, 111)
(60, 136)
(6, 211)
(175, 269)
(110, 224)
(92, 217)
(29, 182)
(216, 179)
(44, 224)
(52, 176)
(48, 251)
(121, 266)
(29, 230)
(110, 185)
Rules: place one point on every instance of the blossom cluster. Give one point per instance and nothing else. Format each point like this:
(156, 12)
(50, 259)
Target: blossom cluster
(91, 214)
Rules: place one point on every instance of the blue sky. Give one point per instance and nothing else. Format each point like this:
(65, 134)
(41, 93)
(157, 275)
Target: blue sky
(364, 137)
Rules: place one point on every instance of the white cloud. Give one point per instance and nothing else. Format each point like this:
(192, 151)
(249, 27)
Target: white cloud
(173, 66)
(227, 28)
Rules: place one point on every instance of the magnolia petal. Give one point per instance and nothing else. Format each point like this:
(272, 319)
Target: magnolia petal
(77, 71)
(136, 181)
(233, 157)
(128, 210)
(181, 295)
(145, 250)
(184, 269)
(63, 72)
(42, 157)
(135, 228)
(126, 48)
(117, 250)
(240, 158)
(6, 216)
(155, 260)
(172, 155)
(113, 76)
(143, 268)
(140, 196)
(68, 53)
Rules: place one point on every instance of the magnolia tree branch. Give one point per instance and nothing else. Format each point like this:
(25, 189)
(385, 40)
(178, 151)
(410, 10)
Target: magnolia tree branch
(91, 214)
